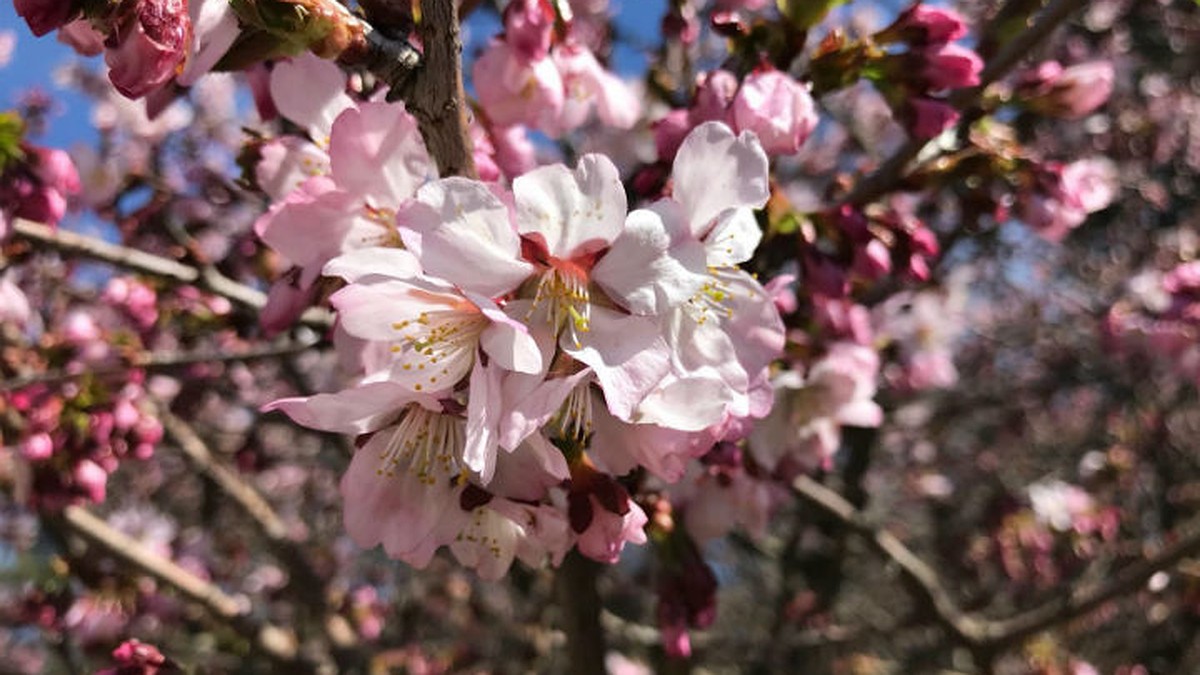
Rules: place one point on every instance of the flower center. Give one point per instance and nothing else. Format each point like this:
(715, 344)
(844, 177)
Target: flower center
(435, 341)
(713, 298)
(425, 444)
(563, 292)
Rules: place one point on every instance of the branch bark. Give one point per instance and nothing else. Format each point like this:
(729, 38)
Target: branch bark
(435, 95)
(274, 642)
(162, 362)
(579, 602)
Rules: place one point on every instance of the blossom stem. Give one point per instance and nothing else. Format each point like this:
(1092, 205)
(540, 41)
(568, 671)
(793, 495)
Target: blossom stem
(579, 602)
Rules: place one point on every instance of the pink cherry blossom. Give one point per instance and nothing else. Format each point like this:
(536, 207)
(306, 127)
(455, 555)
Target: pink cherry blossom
(777, 108)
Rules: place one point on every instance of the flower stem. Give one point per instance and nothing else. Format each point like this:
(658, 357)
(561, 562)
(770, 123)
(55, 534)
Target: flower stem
(579, 602)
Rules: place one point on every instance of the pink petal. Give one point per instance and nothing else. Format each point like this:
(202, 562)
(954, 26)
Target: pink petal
(376, 151)
(466, 236)
(311, 92)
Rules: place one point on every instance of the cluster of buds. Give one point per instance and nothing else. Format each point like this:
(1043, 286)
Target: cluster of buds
(75, 439)
(915, 79)
(768, 102)
(35, 182)
(146, 43)
(537, 74)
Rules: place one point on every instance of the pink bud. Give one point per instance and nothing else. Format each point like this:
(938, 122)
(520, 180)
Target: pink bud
(714, 97)
(85, 40)
(947, 67)
(777, 108)
(44, 16)
(1071, 92)
(37, 447)
(924, 25)
(926, 118)
(148, 47)
(91, 479)
(873, 260)
(669, 132)
(528, 27)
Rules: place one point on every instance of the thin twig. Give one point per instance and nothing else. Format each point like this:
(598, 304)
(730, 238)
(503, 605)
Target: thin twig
(162, 362)
(208, 279)
(302, 576)
(892, 170)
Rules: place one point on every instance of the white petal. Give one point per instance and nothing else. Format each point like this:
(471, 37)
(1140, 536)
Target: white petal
(576, 212)
(350, 411)
(374, 261)
(650, 269)
(628, 355)
(483, 413)
(466, 236)
(715, 170)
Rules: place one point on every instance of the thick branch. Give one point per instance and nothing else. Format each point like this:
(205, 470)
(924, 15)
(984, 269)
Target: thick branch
(435, 95)
(892, 170)
(276, 643)
(988, 635)
(207, 279)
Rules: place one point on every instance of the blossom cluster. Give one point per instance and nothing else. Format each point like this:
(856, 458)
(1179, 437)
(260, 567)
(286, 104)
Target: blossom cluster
(524, 349)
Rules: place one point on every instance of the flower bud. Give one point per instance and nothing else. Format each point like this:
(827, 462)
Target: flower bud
(926, 118)
(145, 51)
(44, 16)
(528, 27)
(777, 108)
(944, 67)
(923, 25)
(1069, 93)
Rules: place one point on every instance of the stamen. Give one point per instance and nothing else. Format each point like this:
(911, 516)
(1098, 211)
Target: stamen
(566, 300)
(425, 444)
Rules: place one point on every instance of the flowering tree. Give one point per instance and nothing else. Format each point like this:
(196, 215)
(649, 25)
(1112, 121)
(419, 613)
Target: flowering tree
(837, 339)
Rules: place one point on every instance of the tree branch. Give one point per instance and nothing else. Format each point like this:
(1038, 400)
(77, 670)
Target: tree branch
(984, 635)
(208, 279)
(892, 170)
(275, 642)
(435, 95)
(161, 362)
(579, 602)
(302, 576)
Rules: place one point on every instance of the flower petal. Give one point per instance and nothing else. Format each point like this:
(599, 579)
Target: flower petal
(628, 355)
(376, 151)
(650, 269)
(715, 170)
(574, 212)
(466, 236)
